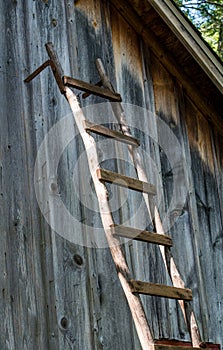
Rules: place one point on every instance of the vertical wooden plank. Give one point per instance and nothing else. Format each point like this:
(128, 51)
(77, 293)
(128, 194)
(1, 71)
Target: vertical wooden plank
(208, 205)
(126, 47)
(24, 303)
(169, 109)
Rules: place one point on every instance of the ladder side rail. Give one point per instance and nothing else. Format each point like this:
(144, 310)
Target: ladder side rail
(56, 66)
(134, 301)
(165, 251)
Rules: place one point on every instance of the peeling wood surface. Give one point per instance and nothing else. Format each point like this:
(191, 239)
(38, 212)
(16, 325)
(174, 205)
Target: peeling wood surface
(59, 295)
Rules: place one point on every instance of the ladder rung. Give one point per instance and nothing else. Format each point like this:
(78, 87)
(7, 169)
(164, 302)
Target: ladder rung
(125, 181)
(93, 89)
(176, 347)
(102, 130)
(161, 290)
(141, 235)
(86, 94)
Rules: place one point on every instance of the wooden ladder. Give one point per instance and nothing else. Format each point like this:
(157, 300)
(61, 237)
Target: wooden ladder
(131, 287)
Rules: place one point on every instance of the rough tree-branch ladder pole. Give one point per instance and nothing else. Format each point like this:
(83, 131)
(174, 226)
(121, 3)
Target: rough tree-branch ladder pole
(134, 301)
(153, 212)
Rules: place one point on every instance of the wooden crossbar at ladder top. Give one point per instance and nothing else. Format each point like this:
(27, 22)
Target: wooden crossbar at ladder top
(153, 212)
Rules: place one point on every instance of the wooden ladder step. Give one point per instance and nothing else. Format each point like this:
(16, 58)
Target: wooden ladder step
(140, 235)
(161, 290)
(92, 89)
(86, 94)
(118, 136)
(125, 181)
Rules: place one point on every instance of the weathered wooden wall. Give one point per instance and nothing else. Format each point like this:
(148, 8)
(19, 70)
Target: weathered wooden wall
(60, 295)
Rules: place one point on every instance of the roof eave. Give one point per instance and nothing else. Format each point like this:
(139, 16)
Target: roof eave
(188, 36)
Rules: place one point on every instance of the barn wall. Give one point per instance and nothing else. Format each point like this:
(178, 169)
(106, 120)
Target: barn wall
(60, 295)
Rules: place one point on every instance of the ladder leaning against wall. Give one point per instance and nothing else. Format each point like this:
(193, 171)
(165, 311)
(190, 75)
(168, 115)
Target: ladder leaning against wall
(131, 287)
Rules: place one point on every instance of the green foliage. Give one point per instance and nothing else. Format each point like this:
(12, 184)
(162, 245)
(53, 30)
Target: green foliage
(207, 16)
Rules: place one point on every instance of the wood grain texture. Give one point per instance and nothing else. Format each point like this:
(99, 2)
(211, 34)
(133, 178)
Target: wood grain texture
(41, 282)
